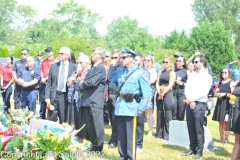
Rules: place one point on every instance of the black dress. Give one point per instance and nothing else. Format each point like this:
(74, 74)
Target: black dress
(236, 115)
(223, 106)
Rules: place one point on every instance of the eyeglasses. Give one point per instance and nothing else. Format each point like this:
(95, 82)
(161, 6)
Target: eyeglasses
(178, 61)
(164, 61)
(60, 53)
(196, 62)
(80, 62)
(107, 56)
(224, 72)
(24, 54)
(114, 57)
(40, 55)
(125, 57)
(147, 60)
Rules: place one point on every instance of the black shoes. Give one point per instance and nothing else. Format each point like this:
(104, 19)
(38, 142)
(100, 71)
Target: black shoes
(112, 145)
(96, 149)
(197, 156)
(188, 153)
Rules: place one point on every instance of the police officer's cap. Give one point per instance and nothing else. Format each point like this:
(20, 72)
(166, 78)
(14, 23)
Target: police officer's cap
(178, 54)
(128, 52)
(49, 49)
(151, 53)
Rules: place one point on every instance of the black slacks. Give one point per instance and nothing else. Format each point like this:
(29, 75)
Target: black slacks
(140, 130)
(164, 115)
(111, 108)
(61, 106)
(42, 111)
(195, 119)
(179, 108)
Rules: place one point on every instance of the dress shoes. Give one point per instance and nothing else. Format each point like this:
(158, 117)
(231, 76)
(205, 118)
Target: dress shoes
(112, 145)
(188, 153)
(96, 149)
(197, 156)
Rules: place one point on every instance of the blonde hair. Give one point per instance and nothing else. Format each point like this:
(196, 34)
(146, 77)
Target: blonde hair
(151, 58)
(169, 60)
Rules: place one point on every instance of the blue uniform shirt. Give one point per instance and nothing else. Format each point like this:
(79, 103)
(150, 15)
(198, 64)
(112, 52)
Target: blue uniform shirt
(235, 71)
(18, 66)
(30, 74)
(157, 66)
(138, 82)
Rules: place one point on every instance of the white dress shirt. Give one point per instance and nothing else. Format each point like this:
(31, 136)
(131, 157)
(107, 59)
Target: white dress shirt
(65, 76)
(198, 86)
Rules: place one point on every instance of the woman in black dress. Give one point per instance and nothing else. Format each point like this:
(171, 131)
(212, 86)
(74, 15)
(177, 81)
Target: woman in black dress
(223, 107)
(164, 98)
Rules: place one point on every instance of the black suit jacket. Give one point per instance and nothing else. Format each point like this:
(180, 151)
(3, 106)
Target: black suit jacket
(93, 87)
(52, 82)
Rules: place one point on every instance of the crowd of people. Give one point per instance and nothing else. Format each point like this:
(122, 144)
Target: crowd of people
(123, 87)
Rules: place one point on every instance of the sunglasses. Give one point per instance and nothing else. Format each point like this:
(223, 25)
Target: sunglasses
(147, 60)
(24, 54)
(196, 62)
(60, 53)
(225, 72)
(164, 61)
(107, 56)
(125, 57)
(178, 61)
(114, 57)
(40, 55)
(80, 62)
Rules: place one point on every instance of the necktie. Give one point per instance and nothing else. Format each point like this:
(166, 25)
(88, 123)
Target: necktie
(127, 70)
(62, 78)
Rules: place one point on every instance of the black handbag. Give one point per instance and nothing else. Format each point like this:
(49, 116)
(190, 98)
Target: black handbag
(236, 91)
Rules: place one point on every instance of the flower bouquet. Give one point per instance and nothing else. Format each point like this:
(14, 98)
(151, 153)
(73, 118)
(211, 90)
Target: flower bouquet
(232, 99)
(19, 116)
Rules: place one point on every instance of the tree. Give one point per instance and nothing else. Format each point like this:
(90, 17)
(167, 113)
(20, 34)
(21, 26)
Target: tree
(227, 11)
(125, 32)
(213, 40)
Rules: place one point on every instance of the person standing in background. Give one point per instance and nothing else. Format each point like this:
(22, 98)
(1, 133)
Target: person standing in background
(39, 59)
(6, 82)
(18, 66)
(234, 70)
(44, 68)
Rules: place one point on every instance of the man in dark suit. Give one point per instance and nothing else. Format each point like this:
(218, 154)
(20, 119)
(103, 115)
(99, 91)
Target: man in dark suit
(56, 87)
(92, 101)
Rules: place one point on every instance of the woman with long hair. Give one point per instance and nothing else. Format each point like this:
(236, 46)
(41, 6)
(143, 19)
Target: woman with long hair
(6, 82)
(190, 67)
(164, 98)
(223, 108)
(148, 64)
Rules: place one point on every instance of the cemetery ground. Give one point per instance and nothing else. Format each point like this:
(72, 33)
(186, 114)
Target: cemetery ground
(157, 149)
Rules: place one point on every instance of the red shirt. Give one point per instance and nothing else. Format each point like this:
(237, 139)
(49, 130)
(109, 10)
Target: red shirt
(45, 66)
(1, 68)
(7, 73)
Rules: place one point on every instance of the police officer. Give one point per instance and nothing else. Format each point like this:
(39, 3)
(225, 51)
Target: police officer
(29, 79)
(18, 66)
(134, 91)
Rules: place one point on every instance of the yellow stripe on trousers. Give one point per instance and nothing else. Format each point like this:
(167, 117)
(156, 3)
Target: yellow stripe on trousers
(134, 137)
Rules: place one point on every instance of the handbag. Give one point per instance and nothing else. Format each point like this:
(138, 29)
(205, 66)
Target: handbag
(236, 91)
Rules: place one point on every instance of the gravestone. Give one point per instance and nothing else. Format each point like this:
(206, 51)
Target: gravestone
(178, 134)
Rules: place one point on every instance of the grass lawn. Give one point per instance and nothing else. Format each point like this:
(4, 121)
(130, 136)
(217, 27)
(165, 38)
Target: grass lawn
(155, 149)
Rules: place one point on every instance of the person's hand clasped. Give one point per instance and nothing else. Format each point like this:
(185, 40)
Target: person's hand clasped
(139, 112)
(192, 105)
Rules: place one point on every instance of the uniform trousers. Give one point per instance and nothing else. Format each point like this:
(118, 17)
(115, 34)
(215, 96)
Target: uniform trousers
(164, 115)
(140, 130)
(111, 108)
(29, 98)
(60, 108)
(127, 137)
(195, 119)
(179, 107)
(17, 96)
(43, 104)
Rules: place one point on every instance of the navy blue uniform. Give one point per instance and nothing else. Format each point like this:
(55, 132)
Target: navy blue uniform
(18, 66)
(29, 94)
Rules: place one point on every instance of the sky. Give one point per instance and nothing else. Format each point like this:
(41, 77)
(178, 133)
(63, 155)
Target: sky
(160, 16)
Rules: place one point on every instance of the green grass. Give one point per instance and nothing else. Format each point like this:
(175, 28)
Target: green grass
(155, 149)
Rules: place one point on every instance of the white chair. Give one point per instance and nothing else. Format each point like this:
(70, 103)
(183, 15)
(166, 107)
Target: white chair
(36, 124)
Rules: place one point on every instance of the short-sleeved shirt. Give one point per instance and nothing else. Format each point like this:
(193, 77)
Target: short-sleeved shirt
(7, 73)
(30, 74)
(18, 66)
(1, 68)
(45, 66)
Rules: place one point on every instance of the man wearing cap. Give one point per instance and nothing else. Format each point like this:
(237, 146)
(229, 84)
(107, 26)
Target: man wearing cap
(18, 66)
(133, 91)
(156, 64)
(44, 67)
(39, 59)
(56, 86)
(28, 79)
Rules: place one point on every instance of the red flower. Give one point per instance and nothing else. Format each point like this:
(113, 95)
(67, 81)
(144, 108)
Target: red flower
(48, 107)
(34, 151)
(79, 74)
(105, 94)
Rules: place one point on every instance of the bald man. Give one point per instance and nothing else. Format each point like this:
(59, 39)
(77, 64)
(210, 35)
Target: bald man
(56, 87)
(28, 79)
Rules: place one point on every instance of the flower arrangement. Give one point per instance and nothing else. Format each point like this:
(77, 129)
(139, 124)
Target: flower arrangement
(19, 116)
(232, 99)
(162, 88)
